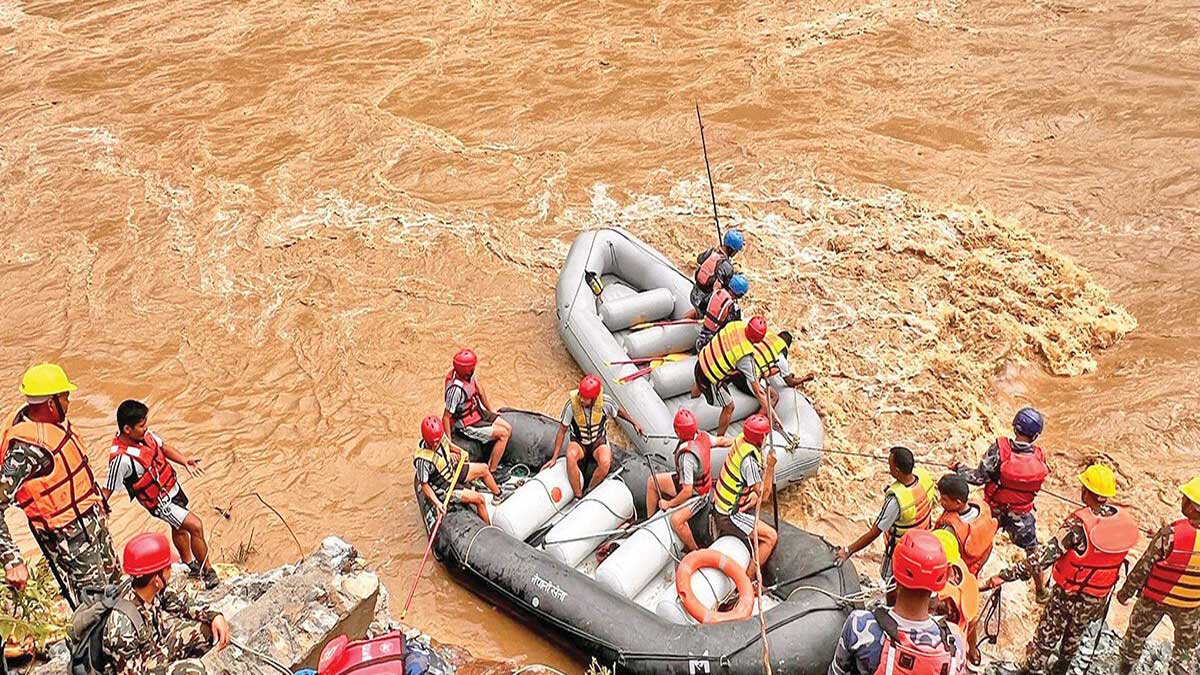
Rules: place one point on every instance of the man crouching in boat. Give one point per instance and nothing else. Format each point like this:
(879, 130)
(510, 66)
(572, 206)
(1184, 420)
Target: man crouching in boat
(715, 266)
(717, 364)
(436, 464)
(741, 486)
(586, 415)
(692, 480)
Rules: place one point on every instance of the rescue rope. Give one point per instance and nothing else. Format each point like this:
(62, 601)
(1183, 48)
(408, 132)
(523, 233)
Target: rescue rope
(267, 659)
(227, 514)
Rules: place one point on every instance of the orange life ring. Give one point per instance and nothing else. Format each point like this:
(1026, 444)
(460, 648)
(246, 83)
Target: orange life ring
(709, 559)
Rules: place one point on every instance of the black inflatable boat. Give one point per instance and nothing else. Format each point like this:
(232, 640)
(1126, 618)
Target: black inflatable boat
(624, 611)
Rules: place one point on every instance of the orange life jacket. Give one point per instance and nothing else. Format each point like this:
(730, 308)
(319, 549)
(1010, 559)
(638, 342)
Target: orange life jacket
(722, 307)
(1175, 580)
(1021, 478)
(962, 596)
(976, 538)
(1096, 570)
(700, 448)
(56, 500)
(708, 268)
(468, 415)
(158, 476)
(901, 655)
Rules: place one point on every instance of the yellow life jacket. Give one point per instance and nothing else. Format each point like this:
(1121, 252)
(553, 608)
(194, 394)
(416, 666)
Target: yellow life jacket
(442, 478)
(719, 357)
(731, 485)
(916, 503)
(766, 355)
(587, 425)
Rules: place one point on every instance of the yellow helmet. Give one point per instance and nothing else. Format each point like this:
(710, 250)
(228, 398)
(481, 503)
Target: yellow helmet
(1191, 490)
(950, 545)
(45, 379)
(1100, 480)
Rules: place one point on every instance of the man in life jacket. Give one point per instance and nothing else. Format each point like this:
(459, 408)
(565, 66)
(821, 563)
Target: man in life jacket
(745, 481)
(768, 365)
(969, 520)
(468, 411)
(1167, 582)
(140, 461)
(1012, 472)
(436, 471)
(722, 308)
(585, 417)
(689, 485)
(907, 505)
(715, 266)
(905, 639)
(46, 472)
(143, 626)
(1086, 556)
(718, 362)
(959, 602)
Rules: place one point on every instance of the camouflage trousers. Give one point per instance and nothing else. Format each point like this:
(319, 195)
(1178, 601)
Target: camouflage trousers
(1146, 616)
(1061, 630)
(183, 644)
(82, 553)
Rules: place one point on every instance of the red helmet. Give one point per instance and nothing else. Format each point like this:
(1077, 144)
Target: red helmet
(431, 431)
(685, 425)
(756, 330)
(147, 553)
(589, 387)
(464, 362)
(919, 562)
(756, 428)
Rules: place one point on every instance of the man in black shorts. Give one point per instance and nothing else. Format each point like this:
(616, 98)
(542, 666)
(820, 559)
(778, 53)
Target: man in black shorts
(586, 415)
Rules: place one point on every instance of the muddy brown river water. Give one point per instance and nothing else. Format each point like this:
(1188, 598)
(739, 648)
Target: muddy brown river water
(275, 221)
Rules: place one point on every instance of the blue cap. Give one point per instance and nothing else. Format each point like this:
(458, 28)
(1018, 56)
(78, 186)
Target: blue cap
(733, 241)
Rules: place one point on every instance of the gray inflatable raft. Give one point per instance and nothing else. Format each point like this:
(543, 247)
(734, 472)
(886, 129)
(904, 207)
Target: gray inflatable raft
(641, 286)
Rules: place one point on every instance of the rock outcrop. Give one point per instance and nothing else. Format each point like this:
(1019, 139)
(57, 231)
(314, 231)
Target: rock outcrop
(287, 614)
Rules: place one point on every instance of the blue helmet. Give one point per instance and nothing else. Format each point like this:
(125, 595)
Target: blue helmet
(1028, 422)
(739, 284)
(733, 241)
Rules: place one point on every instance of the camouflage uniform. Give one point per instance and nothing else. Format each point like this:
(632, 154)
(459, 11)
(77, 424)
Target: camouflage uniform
(1148, 613)
(175, 633)
(82, 552)
(1066, 616)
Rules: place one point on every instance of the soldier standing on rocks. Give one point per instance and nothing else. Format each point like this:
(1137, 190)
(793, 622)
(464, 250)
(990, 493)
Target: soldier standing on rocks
(46, 472)
(1167, 581)
(1087, 555)
(154, 629)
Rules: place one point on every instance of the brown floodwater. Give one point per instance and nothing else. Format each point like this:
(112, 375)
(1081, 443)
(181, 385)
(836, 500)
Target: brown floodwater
(274, 221)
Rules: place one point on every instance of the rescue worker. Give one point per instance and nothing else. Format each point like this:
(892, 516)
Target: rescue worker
(959, 600)
(435, 464)
(586, 415)
(969, 520)
(1167, 582)
(158, 630)
(769, 360)
(1012, 472)
(722, 307)
(46, 472)
(904, 638)
(907, 505)
(715, 266)
(468, 411)
(141, 461)
(691, 480)
(1086, 555)
(741, 486)
(718, 362)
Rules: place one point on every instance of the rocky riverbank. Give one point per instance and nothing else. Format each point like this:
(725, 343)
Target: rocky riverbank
(287, 614)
